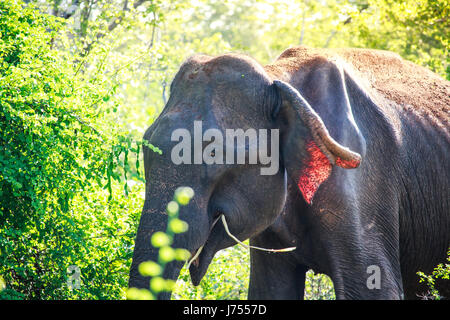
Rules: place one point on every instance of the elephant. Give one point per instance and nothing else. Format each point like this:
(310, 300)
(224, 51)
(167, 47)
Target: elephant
(361, 186)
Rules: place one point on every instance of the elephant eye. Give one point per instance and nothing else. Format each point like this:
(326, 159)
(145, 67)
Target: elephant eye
(213, 153)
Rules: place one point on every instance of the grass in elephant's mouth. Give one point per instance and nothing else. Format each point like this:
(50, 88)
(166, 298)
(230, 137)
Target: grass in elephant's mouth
(224, 221)
(196, 253)
(194, 260)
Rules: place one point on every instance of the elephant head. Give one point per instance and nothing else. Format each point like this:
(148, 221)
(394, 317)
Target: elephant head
(210, 96)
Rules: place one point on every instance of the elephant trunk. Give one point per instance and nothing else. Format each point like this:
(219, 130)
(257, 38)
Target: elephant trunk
(154, 219)
(144, 251)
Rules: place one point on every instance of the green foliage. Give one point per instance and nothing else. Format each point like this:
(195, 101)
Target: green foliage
(442, 271)
(318, 287)
(61, 162)
(417, 30)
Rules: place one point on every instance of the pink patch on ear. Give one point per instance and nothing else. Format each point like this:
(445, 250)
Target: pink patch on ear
(316, 169)
(347, 164)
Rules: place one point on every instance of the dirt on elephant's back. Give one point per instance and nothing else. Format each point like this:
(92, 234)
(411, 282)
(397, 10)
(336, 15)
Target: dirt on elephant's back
(410, 86)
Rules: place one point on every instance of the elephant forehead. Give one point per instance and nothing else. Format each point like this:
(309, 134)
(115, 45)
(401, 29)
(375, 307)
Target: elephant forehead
(224, 67)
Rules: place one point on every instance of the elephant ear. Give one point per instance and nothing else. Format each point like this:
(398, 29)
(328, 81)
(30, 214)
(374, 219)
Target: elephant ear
(308, 150)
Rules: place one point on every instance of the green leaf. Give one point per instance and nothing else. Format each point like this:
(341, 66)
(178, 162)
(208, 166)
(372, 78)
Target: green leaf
(160, 239)
(177, 226)
(166, 254)
(150, 268)
(172, 209)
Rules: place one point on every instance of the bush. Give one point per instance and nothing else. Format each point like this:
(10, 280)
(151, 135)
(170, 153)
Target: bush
(442, 271)
(61, 200)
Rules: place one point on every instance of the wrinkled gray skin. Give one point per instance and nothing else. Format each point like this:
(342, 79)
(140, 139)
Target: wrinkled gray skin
(358, 217)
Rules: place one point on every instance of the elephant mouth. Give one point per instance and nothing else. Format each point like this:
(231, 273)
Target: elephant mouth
(199, 266)
(204, 254)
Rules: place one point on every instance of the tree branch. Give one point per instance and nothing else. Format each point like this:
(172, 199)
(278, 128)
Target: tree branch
(116, 21)
(303, 26)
